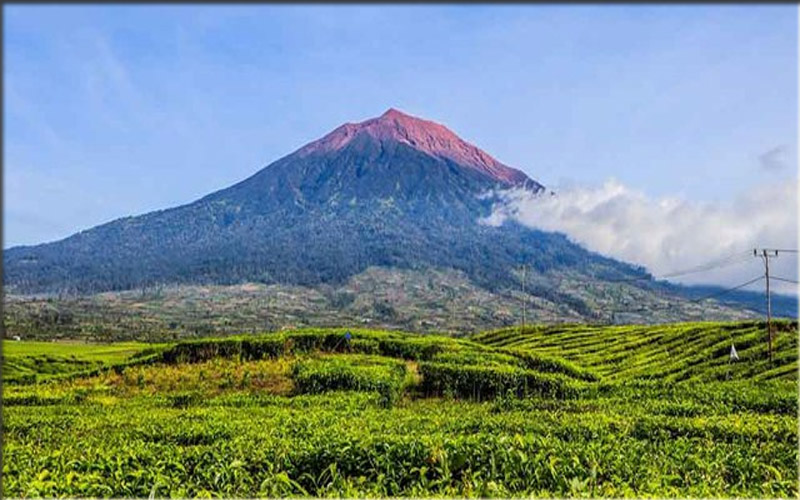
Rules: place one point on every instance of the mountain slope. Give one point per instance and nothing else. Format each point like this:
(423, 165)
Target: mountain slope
(392, 191)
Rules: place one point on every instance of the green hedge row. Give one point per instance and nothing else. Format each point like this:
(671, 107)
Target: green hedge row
(388, 344)
(203, 350)
(278, 344)
(549, 364)
(354, 373)
(488, 382)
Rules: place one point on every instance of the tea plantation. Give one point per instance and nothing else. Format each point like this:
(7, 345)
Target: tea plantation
(546, 411)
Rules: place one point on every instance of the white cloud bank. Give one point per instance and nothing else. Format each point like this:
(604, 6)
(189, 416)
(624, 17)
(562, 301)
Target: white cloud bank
(669, 234)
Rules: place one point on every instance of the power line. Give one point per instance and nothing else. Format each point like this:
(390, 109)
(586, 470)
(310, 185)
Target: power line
(736, 258)
(784, 279)
(708, 267)
(723, 292)
(766, 253)
(729, 260)
(524, 297)
(694, 301)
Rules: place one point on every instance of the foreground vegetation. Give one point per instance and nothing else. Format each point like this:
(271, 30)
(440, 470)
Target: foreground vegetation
(312, 413)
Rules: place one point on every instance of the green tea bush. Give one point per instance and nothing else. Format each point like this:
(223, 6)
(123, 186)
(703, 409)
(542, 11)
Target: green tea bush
(551, 364)
(331, 433)
(487, 382)
(365, 346)
(356, 373)
(184, 399)
(416, 349)
(697, 351)
(203, 350)
(39, 400)
(467, 357)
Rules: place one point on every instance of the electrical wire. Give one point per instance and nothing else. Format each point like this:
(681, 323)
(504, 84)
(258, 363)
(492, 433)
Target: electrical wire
(723, 292)
(708, 267)
(695, 301)
(730, 260)
(784, 279)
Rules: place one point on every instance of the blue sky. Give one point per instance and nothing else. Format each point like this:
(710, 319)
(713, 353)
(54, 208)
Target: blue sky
(118, 110)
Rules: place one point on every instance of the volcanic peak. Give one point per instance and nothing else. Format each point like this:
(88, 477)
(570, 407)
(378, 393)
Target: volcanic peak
(424, 135)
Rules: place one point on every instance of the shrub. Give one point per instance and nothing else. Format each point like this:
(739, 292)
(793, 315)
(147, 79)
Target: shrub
(466, 357)
(204, 350)
(487, 382)
(355, 373)
(412, 348)
(185, 399)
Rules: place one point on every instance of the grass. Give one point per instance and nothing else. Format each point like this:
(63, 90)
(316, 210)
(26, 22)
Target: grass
(302, 413)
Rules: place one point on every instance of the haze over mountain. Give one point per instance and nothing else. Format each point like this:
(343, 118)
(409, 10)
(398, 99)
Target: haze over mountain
(393, 192)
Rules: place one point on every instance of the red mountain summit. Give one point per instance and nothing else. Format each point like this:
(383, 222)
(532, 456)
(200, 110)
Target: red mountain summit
(422, 135)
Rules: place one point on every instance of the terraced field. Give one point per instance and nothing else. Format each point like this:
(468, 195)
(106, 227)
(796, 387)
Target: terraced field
(378, 413)
(32, 360)
(672, 352)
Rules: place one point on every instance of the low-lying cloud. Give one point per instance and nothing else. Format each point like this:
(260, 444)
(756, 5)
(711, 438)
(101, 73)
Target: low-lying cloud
(669, 234)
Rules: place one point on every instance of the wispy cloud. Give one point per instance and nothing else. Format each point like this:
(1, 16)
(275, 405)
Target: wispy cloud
(775, 159)
(667, 234)
(111, 87)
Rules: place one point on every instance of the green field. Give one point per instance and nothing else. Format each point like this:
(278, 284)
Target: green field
(32, 360)
(672, 352)
(548, 411)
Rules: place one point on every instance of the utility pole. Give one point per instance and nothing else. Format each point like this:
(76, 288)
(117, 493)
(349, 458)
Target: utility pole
(765, 254)
(769, 302)
(452, 294)
(524, 299)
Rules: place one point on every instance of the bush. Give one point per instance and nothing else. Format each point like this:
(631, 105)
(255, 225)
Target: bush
(480, 358)
(412, 348)
(204, 350)
(270, 346)
(355, 373)
(184, 399)
(487, 382)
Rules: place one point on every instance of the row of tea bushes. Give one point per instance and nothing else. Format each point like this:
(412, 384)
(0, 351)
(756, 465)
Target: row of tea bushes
(487, 382)
(385, 376)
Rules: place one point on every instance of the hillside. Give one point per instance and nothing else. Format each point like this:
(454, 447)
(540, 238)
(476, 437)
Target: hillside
(399, 414)
(432, 301)
(670, 352)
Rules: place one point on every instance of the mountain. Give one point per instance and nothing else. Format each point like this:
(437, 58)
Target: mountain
(393, 192)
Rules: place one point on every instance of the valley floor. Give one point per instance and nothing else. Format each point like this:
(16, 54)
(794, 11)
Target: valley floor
(556, 411)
